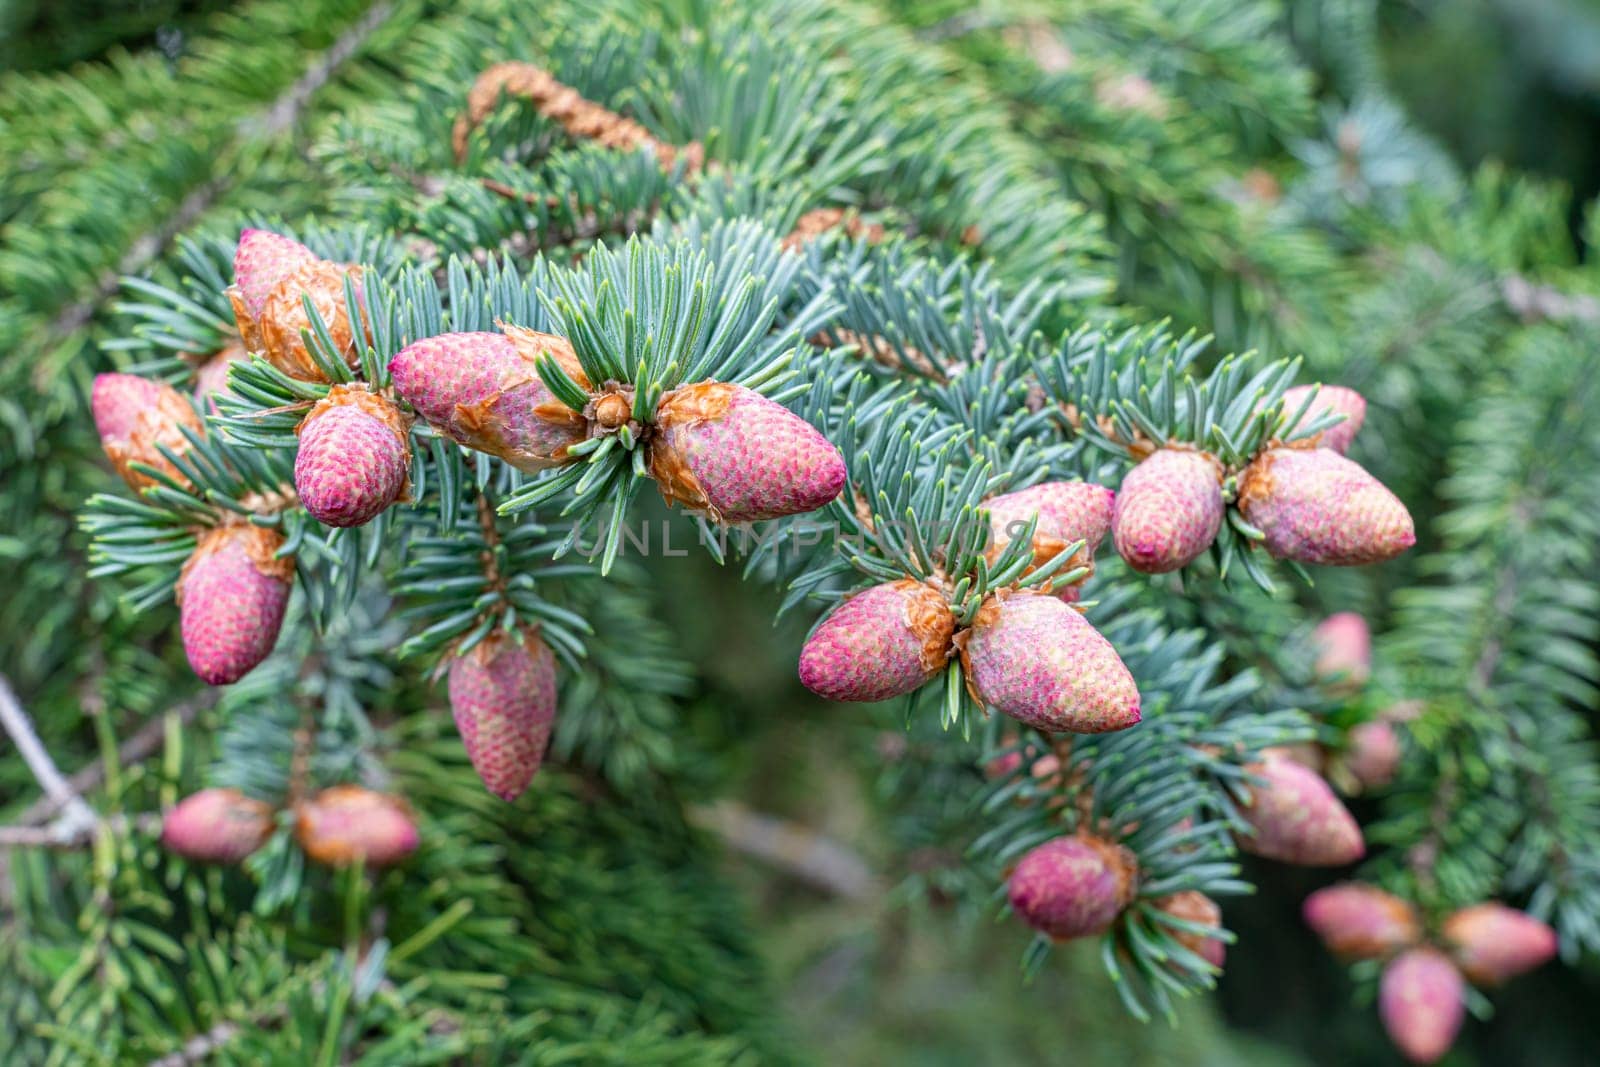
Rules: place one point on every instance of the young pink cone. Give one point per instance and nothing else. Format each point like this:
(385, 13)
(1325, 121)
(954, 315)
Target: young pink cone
(1493, 943)
(483, 390)
(503, 697)
(1168, 510)
(217, 826)
(1040, 662)
(1073, 886)
(1420, 1003)
(1343, 646)
(1067, 512)
(231, 596)
(263, 259)
(1297, 819)
(733, 455)
(882, 642)
(347, 823)
(1315, 506)
(133, 415)
(212, 377)
(354, 457)
(1331, 399)
(1372, 753)
(1361, 922)
(1195, 907)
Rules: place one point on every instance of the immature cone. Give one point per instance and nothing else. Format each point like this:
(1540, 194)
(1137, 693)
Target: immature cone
(1343, 645)
(1420, 1002)
(347, 823)
(1372, 753)
(1039, 661)
(1297, 819)
(283, 317)
(212, 377)
(1067, 512)
(1334, 399)
(882, 642)
(1073, 886)
(1168, 510)
(217, 826)
(231, 596)
(503, 697)
(483, 390)
(1315, 506)
(354, 456)
(1361, 922)
(260, 261)
(133, 415)
(734, 455)
(1195, 907)
(1493, 943)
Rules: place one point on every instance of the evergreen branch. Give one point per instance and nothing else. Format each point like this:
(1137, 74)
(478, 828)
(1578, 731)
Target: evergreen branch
(279, 116)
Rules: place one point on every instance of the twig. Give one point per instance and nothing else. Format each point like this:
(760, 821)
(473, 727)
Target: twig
(812, 858)
(51, 836)
(76, 816)
(279, 116)
(140, 745)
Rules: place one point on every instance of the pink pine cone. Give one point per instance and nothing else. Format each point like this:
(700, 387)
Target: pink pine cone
(347, 823)
(503, 697)
(1343, 645)
(1360, 921)
(216, 826)
(1067, 512)
(1195, 907)
(263, 259)
(1072, 886)
(1372, 753)
(132, 416)
(1315, 506)
(1335, 399)
(734, 455)
(1493, 943)
(1420, 1003)
(212, 377)
(1168, 510)
(231, 597)
(483, 390)
(1039, 661)
(353, 459)
(1297, 819)
(882, 642)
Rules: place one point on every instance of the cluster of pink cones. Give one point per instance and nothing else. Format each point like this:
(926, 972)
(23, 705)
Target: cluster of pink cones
(337, 827)
(1421, 995)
